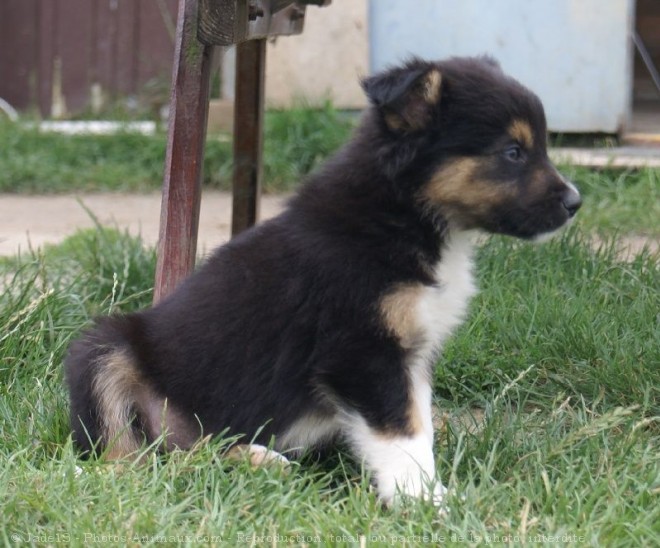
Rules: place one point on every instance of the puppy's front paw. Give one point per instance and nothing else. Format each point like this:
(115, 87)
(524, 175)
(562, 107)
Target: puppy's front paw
(415, 488)
(439, 494)
(258, 456)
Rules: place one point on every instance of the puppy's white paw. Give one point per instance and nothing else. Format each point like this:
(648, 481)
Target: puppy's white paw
(439, 496)
(436, 494)
(258, 455)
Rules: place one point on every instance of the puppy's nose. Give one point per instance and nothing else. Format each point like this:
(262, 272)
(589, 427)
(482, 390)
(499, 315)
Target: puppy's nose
(571, 200)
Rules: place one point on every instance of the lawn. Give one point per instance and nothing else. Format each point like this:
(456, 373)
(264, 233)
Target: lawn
(296, 140)
(550, 396)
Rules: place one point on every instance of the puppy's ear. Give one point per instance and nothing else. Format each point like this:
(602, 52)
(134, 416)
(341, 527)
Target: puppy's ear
(491, 61)
(405, 97)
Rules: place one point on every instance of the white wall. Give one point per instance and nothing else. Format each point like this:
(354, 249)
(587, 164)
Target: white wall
(325, 61)
(575, 54)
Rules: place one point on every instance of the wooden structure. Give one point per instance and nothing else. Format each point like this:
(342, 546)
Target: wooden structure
(202, 25)
(60, 58)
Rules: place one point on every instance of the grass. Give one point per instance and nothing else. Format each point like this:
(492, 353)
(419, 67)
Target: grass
(550, 391)
(619, 200)
(561, 356)
(35, 162)
(296, 141)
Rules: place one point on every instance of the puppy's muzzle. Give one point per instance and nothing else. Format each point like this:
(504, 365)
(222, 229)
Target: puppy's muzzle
(571, 199)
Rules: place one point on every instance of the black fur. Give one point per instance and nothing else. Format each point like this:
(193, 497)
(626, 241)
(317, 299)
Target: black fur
(283, 321)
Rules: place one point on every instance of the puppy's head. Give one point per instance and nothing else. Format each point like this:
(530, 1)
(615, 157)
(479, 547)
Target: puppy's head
(472, 141)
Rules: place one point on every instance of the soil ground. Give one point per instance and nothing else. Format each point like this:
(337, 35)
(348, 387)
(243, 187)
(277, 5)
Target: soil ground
(32, 221)
(36, 220)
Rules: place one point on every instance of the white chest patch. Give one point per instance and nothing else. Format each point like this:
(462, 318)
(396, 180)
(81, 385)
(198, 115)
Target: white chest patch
(442, 307)
(423, 316)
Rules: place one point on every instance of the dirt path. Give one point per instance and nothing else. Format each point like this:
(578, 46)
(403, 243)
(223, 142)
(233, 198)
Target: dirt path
(36, 220)
(628, 246)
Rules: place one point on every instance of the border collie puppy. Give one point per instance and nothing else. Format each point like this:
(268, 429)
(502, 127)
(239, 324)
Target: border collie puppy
(326, 321)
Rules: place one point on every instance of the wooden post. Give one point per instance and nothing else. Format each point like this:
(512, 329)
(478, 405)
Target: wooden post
(179, 218)
(221, 22)
(248, 133)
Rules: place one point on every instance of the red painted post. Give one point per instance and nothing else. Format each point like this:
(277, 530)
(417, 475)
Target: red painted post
(179, 218)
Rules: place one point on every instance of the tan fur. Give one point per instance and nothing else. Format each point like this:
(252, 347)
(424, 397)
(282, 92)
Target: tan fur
(416, 114)
(120, 390)
(394, 121)
(521, 131)
(414, 419)
(114, 387)
(433, 82)
(413, 426)
(458, 190)
(538, 183)
(257, 456)
(160, 417)
(397, 310)
(399, 314)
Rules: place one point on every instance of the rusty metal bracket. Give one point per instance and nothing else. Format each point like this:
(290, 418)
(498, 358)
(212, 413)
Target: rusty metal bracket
(228, 22)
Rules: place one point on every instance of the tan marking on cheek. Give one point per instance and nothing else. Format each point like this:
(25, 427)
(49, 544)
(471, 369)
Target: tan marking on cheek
(521, 131)
(451, 181)
(462, 194)
(398, 311)
(538, 183)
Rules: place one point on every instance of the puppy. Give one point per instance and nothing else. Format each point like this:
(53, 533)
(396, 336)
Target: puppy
(326, 321)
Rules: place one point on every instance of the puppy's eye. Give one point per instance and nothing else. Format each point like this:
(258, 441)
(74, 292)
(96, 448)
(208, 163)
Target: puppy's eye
(513, 153)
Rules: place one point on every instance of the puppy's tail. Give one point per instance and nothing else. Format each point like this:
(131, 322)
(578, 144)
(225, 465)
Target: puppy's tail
(103, 379)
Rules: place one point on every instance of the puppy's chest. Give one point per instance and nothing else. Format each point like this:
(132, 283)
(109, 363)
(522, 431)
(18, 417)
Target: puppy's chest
(423, 316)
